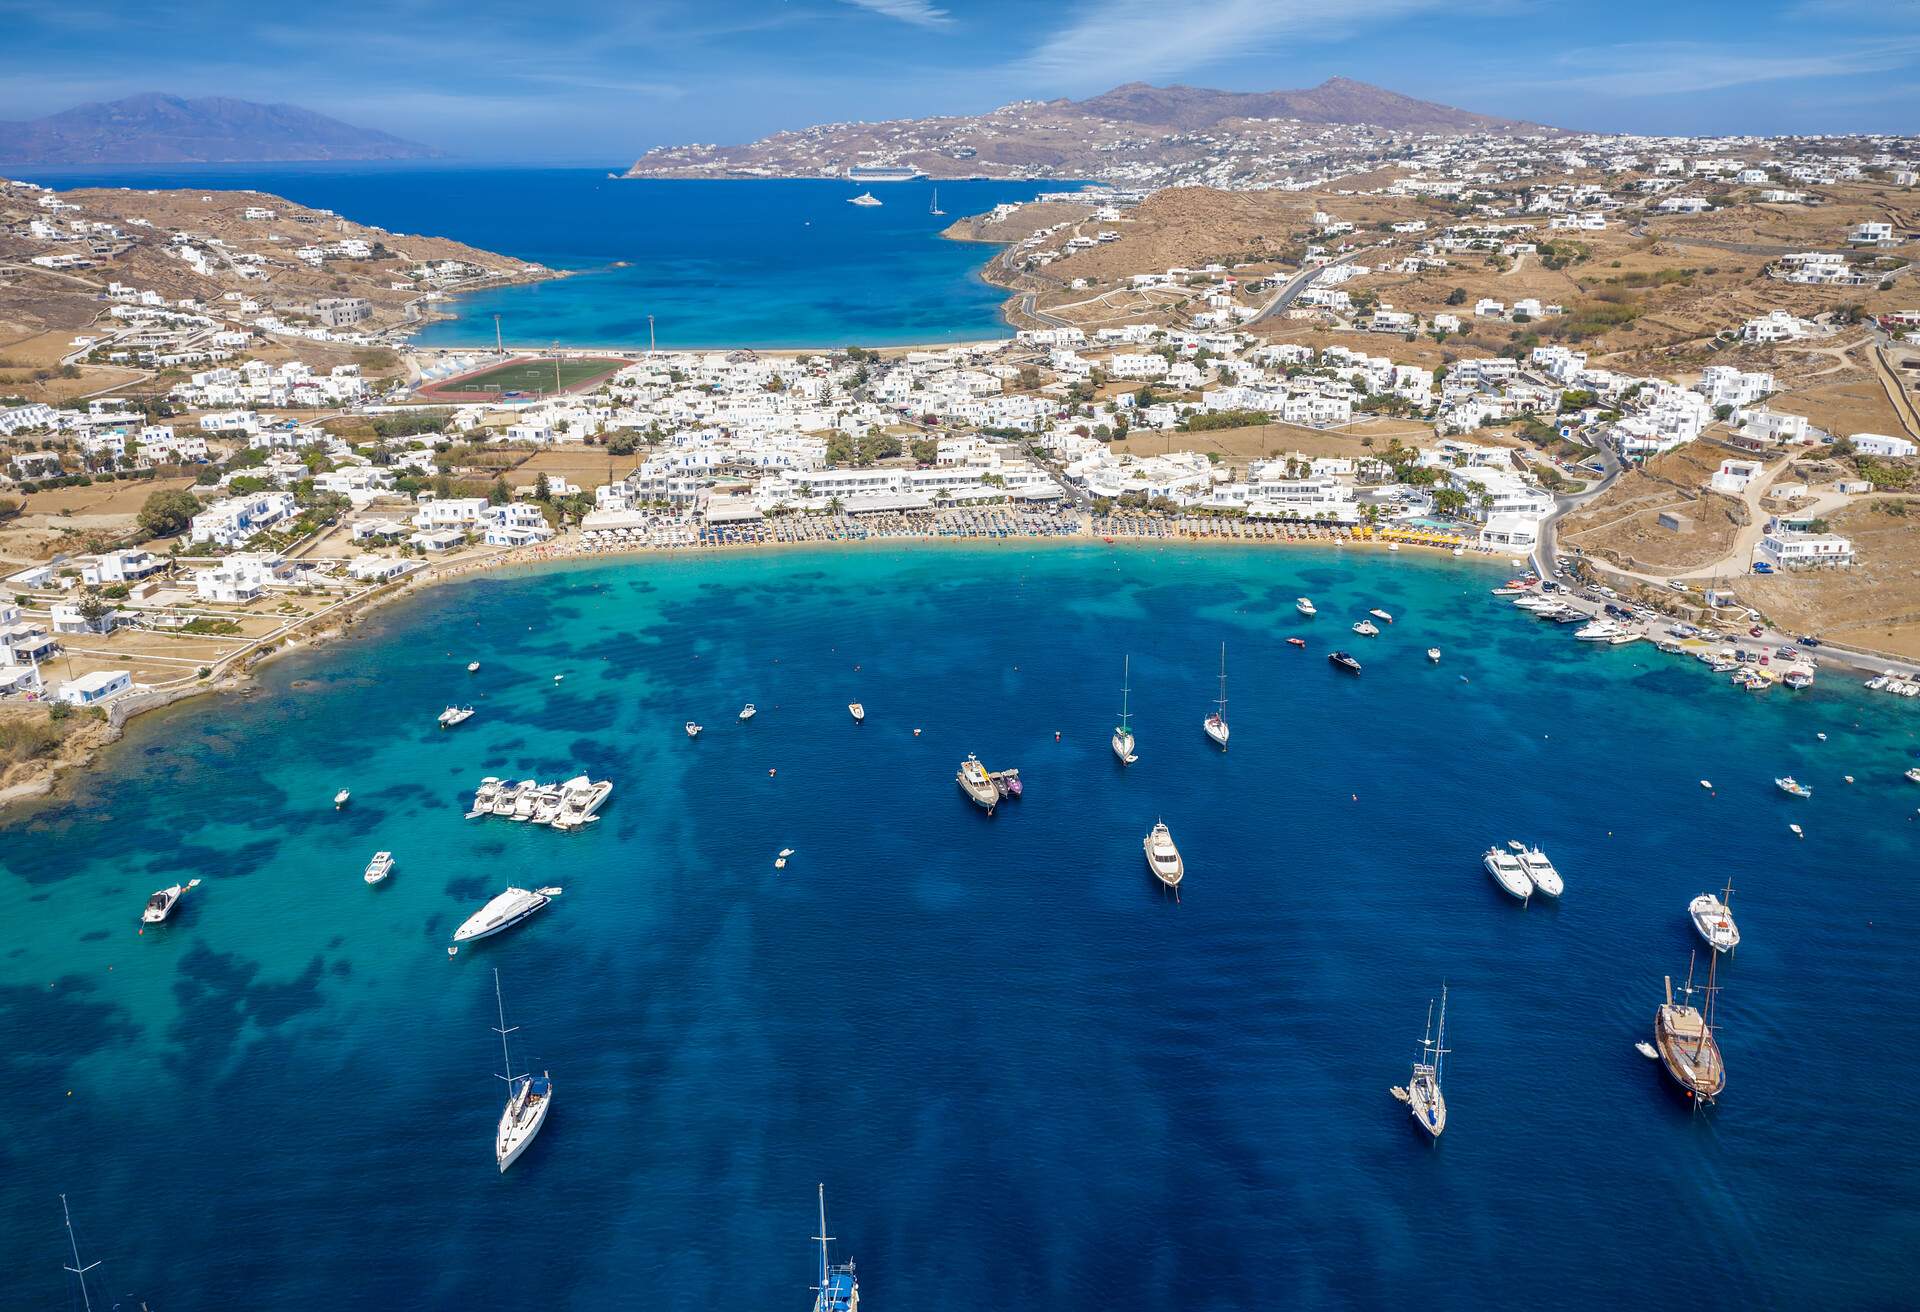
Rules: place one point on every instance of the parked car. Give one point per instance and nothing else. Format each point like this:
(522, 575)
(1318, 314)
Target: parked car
(1809, 640)
(1755, 631)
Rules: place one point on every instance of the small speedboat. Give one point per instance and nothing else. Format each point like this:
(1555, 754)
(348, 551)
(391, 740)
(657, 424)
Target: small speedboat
(693, 730)
(1381, 615)
(1305, 606)
(1367, 629)
(1914, 774)
(473, 667)
(1788, 784)
(1433, 654)
(1344, 661)
(1798, 832)
(1296, 642)
(1707, 784)
(858, 712)
(340, 798)
(747, 712)
(1647, 1050)
(162, 904)
(379, 868)
(455, 715)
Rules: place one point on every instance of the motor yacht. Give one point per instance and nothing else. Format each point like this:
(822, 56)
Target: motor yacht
(455, 715)
(379, 868)
(1541, 871)
(977, 784)
(1305, 606)
(1507, 872)
(165, 902)
(1714, 920)
(503, 912)
(484, 797)
(1367, 629)
(1163, 858)
(1344, 661)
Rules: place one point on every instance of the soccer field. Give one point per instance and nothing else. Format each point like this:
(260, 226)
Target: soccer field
(530, 376)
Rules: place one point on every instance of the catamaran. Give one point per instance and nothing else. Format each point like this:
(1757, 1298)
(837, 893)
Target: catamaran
(1123, 734)
(528, 1097)
(1684, 1036)
(1422, 1094)
(1714, 920)
(1163, 858)
(838, 1290)
(1216, 724)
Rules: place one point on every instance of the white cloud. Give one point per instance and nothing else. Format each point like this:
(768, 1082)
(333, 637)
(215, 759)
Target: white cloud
(1681, 68)
(921, 13)
(1113, 41)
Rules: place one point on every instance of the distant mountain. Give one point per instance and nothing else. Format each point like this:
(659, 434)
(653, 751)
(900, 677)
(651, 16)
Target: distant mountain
(1337, 100)
(162, 129)
(1135, 134)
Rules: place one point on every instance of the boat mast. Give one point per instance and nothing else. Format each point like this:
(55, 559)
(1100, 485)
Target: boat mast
(1126, 677)
(823, 1237)
(76, 1268)
(1440, 1044)
(1221, 701)
(502, 1029)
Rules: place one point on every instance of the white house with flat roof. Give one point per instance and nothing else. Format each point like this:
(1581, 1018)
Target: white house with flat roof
(230, 522)
(1879, 444)
(94, 688)
(1792, 545)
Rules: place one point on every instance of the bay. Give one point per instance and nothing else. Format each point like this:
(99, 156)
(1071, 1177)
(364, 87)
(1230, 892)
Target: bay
(1017, 1065)
(717, 264)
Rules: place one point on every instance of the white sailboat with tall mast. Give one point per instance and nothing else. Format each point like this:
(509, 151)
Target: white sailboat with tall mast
(528, 1097)
(1216, 724)
(838, 1290)
(1123, 734)
(1422, 1094)
(86, 1299)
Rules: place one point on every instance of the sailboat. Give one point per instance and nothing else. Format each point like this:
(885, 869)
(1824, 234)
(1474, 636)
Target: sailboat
(1422, 1094)
(1216, 724)
(838, 1290)
(934, 208)
(86, 1299)
(1684, 1036)
(528, 1097)
(1123, 734)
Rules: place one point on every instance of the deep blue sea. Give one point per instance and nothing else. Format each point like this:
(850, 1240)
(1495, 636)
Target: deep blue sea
(717, 264)
(1027, 1077)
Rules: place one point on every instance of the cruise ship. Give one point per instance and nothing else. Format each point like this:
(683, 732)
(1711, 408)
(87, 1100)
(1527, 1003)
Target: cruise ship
(884, 173)
(503, 912)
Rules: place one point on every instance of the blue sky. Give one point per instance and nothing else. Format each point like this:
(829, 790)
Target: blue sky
(602, 80)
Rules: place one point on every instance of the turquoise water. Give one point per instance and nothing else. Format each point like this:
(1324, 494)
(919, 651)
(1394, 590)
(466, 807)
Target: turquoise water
(1017, 1066)
(717, 264)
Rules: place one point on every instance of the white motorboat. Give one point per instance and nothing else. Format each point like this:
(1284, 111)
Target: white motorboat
(1367, 629)
(1163, 858)
(528, 1097)
(473, 667)
(858, 712)
(1602, 630)
(455, 715)
(1433, 654)
(1713, 918)
(978, 784)
(1216, 724)
(1647, 1050)
(1507, 872)
(1381, 615)
(507, 800)
(1913, 774)
(1541, 871)
(504, 912)
(1305, 606)
(162, 904)
(484, 797)
(748, 711)
(341, 798)
(693, 730)
(580, 798)
(1123, 732)
(864, 200)
(1788, 784)
(379, 868)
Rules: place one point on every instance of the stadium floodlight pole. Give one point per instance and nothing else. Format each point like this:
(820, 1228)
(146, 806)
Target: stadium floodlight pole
(649, 334)
(556, 368)
(499, 347)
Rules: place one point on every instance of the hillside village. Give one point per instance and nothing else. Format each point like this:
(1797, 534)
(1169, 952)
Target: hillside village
(1561, 356)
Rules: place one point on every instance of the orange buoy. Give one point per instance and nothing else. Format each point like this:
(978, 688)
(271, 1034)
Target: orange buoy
(1056, 735)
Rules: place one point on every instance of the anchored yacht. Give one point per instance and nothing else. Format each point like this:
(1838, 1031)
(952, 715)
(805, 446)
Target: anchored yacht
(693, 730)
(1422, 1094)
(838, 1290)
(1714, 920)
(1305, 606)
(162, 904)
(455, 715)
(1367, 629)
(1123, 733)
(1163, 858)
(580, 797)
(503, 912)
(341, 798)
(747, 712)
(865, 200)
(1684, 1036)
(1344, 661)
(1788, 784)
(528, 1097)
(1381, 615)
(1541, 871)
(978, 784)
(1216, 724)
(1433, 654)
(1507, 872)
(379, 868)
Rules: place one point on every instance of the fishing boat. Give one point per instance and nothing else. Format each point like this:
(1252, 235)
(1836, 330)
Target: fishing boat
(528, 1097)
(504, 912)
(1788, 784)
(748, 711)
(1367, 629)
(1305, 606)
(1163, 858)
(455, 715)
(1433, 654)
(1422, 1094)
(858, 712)
(1296, 642)
(1684, 1036)
(165, 902)
(1713, 918)
(1507, 872)
(838, 1290)
(1344, 661)
(977, 784)
(1541, 871)
(341, 798)
(1216, 724)
(1381, 615)
(379, 868)
(693, 730)
(1123, 733)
